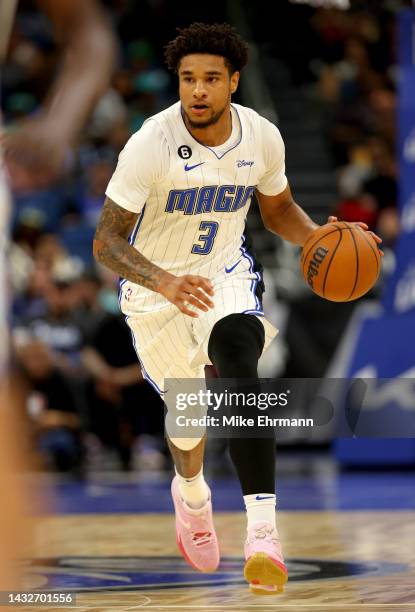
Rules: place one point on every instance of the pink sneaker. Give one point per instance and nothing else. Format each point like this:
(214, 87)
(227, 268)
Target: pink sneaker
(195, 532)
(264, 568)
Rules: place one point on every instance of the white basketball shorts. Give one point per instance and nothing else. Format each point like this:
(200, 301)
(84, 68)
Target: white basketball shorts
(170, 344)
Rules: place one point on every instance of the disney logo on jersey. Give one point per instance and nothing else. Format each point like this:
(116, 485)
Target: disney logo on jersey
(213, 198)
(244, 162)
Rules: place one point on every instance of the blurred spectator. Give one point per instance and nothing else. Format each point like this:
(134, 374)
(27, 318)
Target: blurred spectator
(359, 207)
(57, 327)
(369, 188)
(51, 407)
(49, 203)
(356, 70)
(110, 112)
(382, 184)
(29, 301)
(35, 259)
(90, 310)
(98, 173)
(121, 404)
(356, 76)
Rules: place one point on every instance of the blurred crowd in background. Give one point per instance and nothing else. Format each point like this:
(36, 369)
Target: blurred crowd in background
(85, 395)
(357, 76)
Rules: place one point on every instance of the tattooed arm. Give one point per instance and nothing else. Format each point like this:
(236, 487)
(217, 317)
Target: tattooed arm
(112, 249)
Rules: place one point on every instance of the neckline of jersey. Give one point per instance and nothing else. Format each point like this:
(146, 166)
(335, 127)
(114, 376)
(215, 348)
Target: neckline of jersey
(212, 149)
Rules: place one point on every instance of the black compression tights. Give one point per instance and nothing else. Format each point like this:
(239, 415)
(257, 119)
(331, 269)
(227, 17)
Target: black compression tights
(235, 346)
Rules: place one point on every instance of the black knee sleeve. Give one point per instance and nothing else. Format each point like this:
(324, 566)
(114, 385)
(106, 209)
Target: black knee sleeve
(235, 345)
(254, 461)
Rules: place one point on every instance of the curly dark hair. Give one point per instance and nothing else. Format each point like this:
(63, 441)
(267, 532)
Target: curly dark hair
(214, 39)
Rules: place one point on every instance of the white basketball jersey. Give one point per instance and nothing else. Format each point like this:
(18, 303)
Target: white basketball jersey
(193, 207)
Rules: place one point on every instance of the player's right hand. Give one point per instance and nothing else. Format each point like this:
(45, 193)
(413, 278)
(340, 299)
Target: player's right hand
(183, 291)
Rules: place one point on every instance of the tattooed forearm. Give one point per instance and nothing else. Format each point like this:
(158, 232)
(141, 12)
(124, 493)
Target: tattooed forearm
(111, 248)
(128, 263)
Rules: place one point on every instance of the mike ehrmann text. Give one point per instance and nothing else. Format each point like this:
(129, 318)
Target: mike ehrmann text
(262, 420)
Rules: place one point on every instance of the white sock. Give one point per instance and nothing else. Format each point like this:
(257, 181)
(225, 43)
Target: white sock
(260, 507)
(194, 491)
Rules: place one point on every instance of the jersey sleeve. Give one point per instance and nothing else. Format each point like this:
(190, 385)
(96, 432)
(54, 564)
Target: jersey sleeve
(273, 181)
(143, 162)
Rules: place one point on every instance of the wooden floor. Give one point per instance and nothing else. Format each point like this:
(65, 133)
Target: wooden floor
(378, 547)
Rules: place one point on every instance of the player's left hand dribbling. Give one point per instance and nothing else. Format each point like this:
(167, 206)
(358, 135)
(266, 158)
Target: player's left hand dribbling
(365, 227)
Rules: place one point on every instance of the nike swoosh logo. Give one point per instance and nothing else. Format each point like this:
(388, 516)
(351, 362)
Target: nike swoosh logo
(227, 270)
(187, 168)
(260, 497)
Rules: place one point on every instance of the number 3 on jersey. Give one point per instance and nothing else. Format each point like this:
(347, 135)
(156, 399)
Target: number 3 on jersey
(211, 229)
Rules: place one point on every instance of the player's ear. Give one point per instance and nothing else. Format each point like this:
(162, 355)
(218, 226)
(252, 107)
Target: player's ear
(234, 81)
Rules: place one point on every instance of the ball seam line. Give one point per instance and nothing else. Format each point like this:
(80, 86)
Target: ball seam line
(331, 260)
(357, 262)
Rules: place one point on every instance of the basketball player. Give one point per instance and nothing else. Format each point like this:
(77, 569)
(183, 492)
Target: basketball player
(39, 149)
(172, 227)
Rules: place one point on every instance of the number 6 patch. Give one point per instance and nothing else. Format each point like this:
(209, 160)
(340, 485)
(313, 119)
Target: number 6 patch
(184, 152)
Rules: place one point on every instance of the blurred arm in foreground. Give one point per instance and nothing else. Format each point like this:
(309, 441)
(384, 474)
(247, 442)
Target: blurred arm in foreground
(38, 149)
(40, 145)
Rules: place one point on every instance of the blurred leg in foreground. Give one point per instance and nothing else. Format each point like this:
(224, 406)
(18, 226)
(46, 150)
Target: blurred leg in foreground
(13, 526)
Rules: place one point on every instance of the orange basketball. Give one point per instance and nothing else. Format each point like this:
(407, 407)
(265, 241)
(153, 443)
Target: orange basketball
(340, 261)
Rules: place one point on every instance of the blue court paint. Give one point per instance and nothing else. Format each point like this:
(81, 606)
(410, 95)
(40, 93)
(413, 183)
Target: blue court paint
(98, 574)
(348, 491)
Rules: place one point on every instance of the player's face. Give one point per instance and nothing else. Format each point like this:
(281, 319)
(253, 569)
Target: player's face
(205, 88)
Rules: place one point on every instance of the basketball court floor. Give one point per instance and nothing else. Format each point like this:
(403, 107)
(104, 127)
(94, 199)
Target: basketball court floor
(349, 543)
